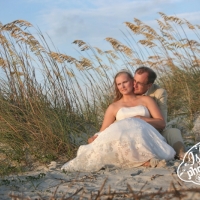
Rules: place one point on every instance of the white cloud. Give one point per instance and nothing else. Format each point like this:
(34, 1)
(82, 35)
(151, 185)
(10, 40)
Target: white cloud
(191, 17)
(93, 21)
(84, 21)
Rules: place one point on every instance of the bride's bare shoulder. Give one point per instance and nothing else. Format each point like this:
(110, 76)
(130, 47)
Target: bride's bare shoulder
(146, 100)
(114, 106)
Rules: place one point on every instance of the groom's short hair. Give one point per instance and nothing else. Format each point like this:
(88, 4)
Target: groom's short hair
(151, 74)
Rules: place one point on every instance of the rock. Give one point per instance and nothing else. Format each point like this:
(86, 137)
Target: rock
(162, 163)
(180, 123)
(196, 129)
(176, 164)
(52, 165)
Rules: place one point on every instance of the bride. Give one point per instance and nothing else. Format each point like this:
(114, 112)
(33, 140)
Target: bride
(128, 136)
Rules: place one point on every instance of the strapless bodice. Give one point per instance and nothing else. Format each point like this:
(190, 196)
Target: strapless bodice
(126, 112)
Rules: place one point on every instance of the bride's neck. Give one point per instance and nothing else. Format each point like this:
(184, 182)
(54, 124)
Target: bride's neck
(128, 98)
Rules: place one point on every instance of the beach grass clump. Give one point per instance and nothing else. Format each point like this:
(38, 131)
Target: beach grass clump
(40, 118)
(50, 102)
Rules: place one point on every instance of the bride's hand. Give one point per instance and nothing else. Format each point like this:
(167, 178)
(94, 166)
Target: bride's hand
(138, 116)
(91, 139)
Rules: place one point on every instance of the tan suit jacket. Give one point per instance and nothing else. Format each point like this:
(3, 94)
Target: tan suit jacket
(172, 135)
(160, 96)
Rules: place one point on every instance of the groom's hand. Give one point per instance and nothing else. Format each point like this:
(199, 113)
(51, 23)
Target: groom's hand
(91, 139)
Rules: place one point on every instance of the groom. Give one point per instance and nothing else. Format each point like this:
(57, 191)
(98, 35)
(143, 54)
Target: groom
(144, 78)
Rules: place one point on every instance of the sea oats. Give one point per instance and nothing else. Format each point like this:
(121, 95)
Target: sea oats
(151, 64)
(133, 27)
(196, 62)
(149, 36)
(169, 27)
(19, 73)
(69, 73)
(6, 27)
(86, 63)
(177, 44)
(56, 57)
(22, 23)
(162, 25)
(110, 60)
(178, 55)
(99, 71)
(176, 20)
(3, 63)
(120, 47)
(190, 26)
(85, 47)
(99, 51)
(81, 44)
(67, 58)
(148, 29)
(163, 15)
(163, 40)
(79, 66)
(128, 51)
(193, 43)
(3, 40)
(138, 22)
(115, 44)
(147, 43)
(105, 67)
(169, 36)
(15, 32)
(62, 57)
(154, 58)
(113, 55)
(98, 58)
(138, 61)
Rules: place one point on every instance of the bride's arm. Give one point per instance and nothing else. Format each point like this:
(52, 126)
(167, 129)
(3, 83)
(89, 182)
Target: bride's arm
(109, 118)
(157, 120)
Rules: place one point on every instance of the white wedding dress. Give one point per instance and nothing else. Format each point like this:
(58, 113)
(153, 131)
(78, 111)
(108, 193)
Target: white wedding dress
(129, 142)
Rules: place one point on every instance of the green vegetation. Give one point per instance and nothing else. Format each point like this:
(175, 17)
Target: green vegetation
(48, 99)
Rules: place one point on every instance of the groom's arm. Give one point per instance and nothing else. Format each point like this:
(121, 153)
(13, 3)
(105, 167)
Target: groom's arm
(160, 96)
(156, 119)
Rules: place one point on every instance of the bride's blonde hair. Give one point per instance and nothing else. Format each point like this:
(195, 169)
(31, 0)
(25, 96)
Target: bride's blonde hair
(118, 95)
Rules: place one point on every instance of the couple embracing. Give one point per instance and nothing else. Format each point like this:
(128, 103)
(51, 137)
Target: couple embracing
(133, 130)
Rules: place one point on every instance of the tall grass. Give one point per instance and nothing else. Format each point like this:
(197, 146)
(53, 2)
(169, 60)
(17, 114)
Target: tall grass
(49, 99)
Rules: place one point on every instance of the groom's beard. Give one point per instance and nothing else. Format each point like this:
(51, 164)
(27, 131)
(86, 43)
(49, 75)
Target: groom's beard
(138, 92)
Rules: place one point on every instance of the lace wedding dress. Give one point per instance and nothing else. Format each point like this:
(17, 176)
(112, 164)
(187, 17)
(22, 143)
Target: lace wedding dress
(129, 142)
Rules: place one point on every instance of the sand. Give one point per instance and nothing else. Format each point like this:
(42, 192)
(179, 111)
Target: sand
(47, 182)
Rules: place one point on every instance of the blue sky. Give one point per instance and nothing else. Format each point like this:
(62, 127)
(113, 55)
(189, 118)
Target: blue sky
(92, 20)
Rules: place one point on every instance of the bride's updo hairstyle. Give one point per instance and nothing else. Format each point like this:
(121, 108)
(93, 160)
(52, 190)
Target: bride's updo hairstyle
(118, 95)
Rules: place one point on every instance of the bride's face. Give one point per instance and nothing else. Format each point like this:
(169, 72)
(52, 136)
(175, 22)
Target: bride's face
(124, 83)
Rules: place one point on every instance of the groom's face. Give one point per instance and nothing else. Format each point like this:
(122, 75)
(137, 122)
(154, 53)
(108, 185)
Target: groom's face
(141, 84)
